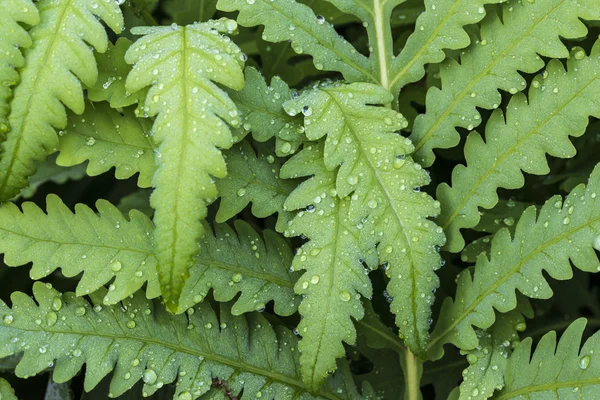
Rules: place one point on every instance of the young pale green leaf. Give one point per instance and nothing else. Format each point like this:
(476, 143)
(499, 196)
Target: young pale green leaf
(6, 391)
(103, 246)
(262, 107)
(439, 27)
(182, 65)
(527, 31)
(560, 103)
(565, 371)
(288, 20)
(107, 246)
(563, 233)
(54, 66)
(244, 263)
(335, 278)
(49, 171)
(487, 362)
(112, 72)
(253, 178)
(141, 341)
(13, 36)
(107, 138)
(386, 203)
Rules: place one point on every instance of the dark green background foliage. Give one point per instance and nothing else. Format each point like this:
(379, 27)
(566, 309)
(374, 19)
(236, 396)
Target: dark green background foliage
(299, 199)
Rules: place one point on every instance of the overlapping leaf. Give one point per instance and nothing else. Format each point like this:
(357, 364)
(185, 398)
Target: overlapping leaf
(555, 371)
(13, 37)
(54, 66)
(384, 188)
(49, 171)
(335, 278)
(6, 391)
(108, 139)
(253, 178)
(560, 103)
(563, 233)
(288, 20)
(141, 341)
(182, 65)
(527, 30)
(107, 247)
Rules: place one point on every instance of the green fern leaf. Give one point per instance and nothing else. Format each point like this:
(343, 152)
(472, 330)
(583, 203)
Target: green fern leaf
(107, 138)
(487, 361)
(439, 27)
(383, 184)
(138, 200)
(54, 65)
(112, 72)
(140, 341)
(562, 233)
(193, 113)
(12, 37)
(563, 371)
(103, 246)
(107, 246)
(262, 107)
(288, 20)
(561, 103)
(253, 178)
(49, 171)
(335, 278)
(6, 391)
(506, 47)
(243, 263)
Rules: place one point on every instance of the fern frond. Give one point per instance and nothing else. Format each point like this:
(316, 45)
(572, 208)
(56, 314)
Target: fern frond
(262, 107)
(335, 278)
(13, 37)
(106, 246)
(112, 73)
(103, 246)
(560, 104)
(49, 171)
(6, 391)
(288, 20)
(138, 200)
(191, 126)
(107, 138)
(384, 187)
(244, 263)
(527, 30)
(438, 28)
(253, 178)
(54, 66)
(487, 362)
(554, 371)
(141, 341)
(563, 233)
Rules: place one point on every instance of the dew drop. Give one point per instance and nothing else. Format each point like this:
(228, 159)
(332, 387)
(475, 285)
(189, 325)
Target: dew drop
(149, 377)
(80, 311)
(56, 304)
(51, 318)
(241, 192)
(237, 277)
(345, 296)
(115, 266)
(584, 362)
(8, 319)
(315, 279)
(131, 324)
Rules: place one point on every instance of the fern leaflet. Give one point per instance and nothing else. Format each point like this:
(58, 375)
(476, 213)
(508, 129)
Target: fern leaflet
(289, 20)
(193, 113)
(140, 341)
(513, 44)
(6, 391)
(253, 178)
(560, 102)
(335, 278)
(383, 184)
(108, 138)
(49, 171)
(554, 371)
(54, 65)
(112, 73)
(563, 233)
(106, 246)
(12, 37)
